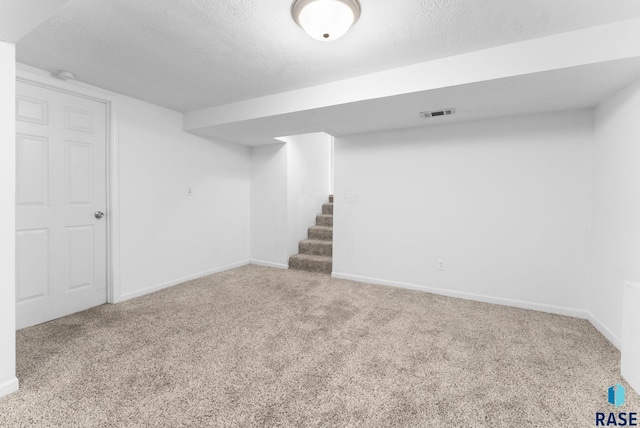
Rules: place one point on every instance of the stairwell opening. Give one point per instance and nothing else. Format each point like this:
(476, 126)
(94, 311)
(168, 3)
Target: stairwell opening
(315, 254)
(290, 183)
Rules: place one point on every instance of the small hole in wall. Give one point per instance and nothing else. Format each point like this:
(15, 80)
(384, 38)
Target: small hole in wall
(325, 35)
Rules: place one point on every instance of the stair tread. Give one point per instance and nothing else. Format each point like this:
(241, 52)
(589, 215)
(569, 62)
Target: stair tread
(312, 257)
(317, 241)
(323, 233)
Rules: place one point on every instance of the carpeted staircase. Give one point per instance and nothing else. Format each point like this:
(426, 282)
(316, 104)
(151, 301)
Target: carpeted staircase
(316, 252)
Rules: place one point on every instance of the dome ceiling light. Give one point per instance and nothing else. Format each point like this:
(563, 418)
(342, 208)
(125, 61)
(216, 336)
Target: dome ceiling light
(325, 20)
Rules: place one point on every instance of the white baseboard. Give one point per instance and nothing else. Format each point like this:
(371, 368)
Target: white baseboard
(269, 264)
(9, 387)
(560, 310)
(171, 283)
(599, 325)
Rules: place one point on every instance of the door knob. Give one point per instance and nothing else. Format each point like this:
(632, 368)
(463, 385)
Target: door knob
(98, 214)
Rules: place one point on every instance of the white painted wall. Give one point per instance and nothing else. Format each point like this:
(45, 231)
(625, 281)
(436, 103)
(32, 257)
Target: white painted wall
(269, 205)
(167, 237)
(289, 184)
(8, 381)
(504, 202)
(616, 207)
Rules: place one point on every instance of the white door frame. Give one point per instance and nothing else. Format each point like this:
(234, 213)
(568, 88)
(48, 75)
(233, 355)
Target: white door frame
(43, 79)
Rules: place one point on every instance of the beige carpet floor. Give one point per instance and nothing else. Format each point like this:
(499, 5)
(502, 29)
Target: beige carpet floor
(257, 346)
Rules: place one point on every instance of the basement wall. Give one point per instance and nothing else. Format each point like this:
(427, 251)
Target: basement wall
(8, 381)
(505, 203)
(269, 206)
(616, 208)
(167, 236)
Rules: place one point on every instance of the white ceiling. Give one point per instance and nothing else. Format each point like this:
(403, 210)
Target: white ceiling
(191, 54)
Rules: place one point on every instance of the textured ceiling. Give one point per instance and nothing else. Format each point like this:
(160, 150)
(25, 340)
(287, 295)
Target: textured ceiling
(191, 54)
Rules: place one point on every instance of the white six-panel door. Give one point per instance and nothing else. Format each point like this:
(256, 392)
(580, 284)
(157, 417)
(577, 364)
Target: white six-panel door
(61, 255)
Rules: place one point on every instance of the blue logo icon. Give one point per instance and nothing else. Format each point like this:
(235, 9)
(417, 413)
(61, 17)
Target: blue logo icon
(616, 395)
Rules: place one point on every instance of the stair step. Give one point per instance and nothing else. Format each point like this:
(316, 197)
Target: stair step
(323, 233)
(310, 263)
(330, 199)
(316, 247)
(324, 220)
(327, 208)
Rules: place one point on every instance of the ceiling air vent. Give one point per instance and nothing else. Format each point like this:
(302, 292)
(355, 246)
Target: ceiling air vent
(436, 113)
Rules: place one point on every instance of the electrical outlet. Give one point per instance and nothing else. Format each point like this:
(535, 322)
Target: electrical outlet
(352, 197)
(440, 264)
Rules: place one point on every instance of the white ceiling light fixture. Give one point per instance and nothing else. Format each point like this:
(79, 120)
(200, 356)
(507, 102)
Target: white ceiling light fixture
(326, 20)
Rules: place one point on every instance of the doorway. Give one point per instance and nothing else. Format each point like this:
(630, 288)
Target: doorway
(61, 203)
